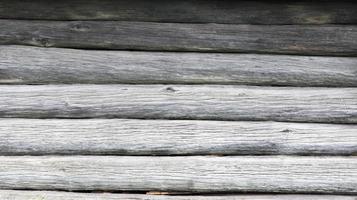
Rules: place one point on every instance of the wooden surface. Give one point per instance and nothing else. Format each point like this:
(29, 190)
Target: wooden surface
(287, 39)
(173, 137)
(192, 11)
(323, 175)
(210, 102)
(50, 195)
(34, 65)
(184, 102)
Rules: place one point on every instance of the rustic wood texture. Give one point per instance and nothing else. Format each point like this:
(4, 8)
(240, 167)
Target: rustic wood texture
(278, 174)
(287, 39)
(51, 195)
(192, 11)
(55, 65)
(76, 153)
(173, 137)
(210, 102)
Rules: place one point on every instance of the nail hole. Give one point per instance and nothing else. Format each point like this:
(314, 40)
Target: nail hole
(170, 89)
(286, 131)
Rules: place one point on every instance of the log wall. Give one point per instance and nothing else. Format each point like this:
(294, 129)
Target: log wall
(180, 99)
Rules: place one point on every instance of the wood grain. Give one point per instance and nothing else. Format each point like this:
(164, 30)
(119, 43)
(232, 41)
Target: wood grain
(55, 65)
(51, 195)
(277, 174)
(192, 11)
(288, 39)
(173, 137)
(209, 102)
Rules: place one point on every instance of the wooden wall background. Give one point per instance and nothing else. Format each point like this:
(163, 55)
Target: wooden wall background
(179, 99)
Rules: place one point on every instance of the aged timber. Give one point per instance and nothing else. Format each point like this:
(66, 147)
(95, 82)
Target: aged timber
(34, 65)
(278, 174)
(210, 102)
(287, 39)
(173, 137)
(189, 11)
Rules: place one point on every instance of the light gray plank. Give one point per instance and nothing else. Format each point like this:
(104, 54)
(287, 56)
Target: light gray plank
(277, 174)
(51, 195)
(193, 11)
(287, 39)
(55, 65)
(173, 137)
(210, 102)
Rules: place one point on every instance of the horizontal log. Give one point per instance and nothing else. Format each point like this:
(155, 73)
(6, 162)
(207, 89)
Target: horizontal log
(326, 175)
(287, 39)
(52, 195)
(55, 65)
(173, 137)
(192, 11)
(212, 102)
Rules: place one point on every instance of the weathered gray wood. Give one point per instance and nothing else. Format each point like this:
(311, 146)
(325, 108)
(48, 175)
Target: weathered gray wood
(173, 137)
(288, 39)
(201, 11)
(277, 174)
(51, 195)
(211, 102)
(34, 65)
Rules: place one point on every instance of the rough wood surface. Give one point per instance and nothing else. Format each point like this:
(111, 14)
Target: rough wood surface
(278, 174)
(51, 195)
(173, 137)
(286, 39)
(193, 11)
(35, 65)
(210, 102)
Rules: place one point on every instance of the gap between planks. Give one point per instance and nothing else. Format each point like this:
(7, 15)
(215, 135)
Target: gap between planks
(53, 195)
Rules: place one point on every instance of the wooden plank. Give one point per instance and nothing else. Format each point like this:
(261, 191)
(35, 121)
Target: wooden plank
(173, 137)
(192, 11)
(288, 39)
(279, 174)
(56, 65)
(209, 102)
(52, 195)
